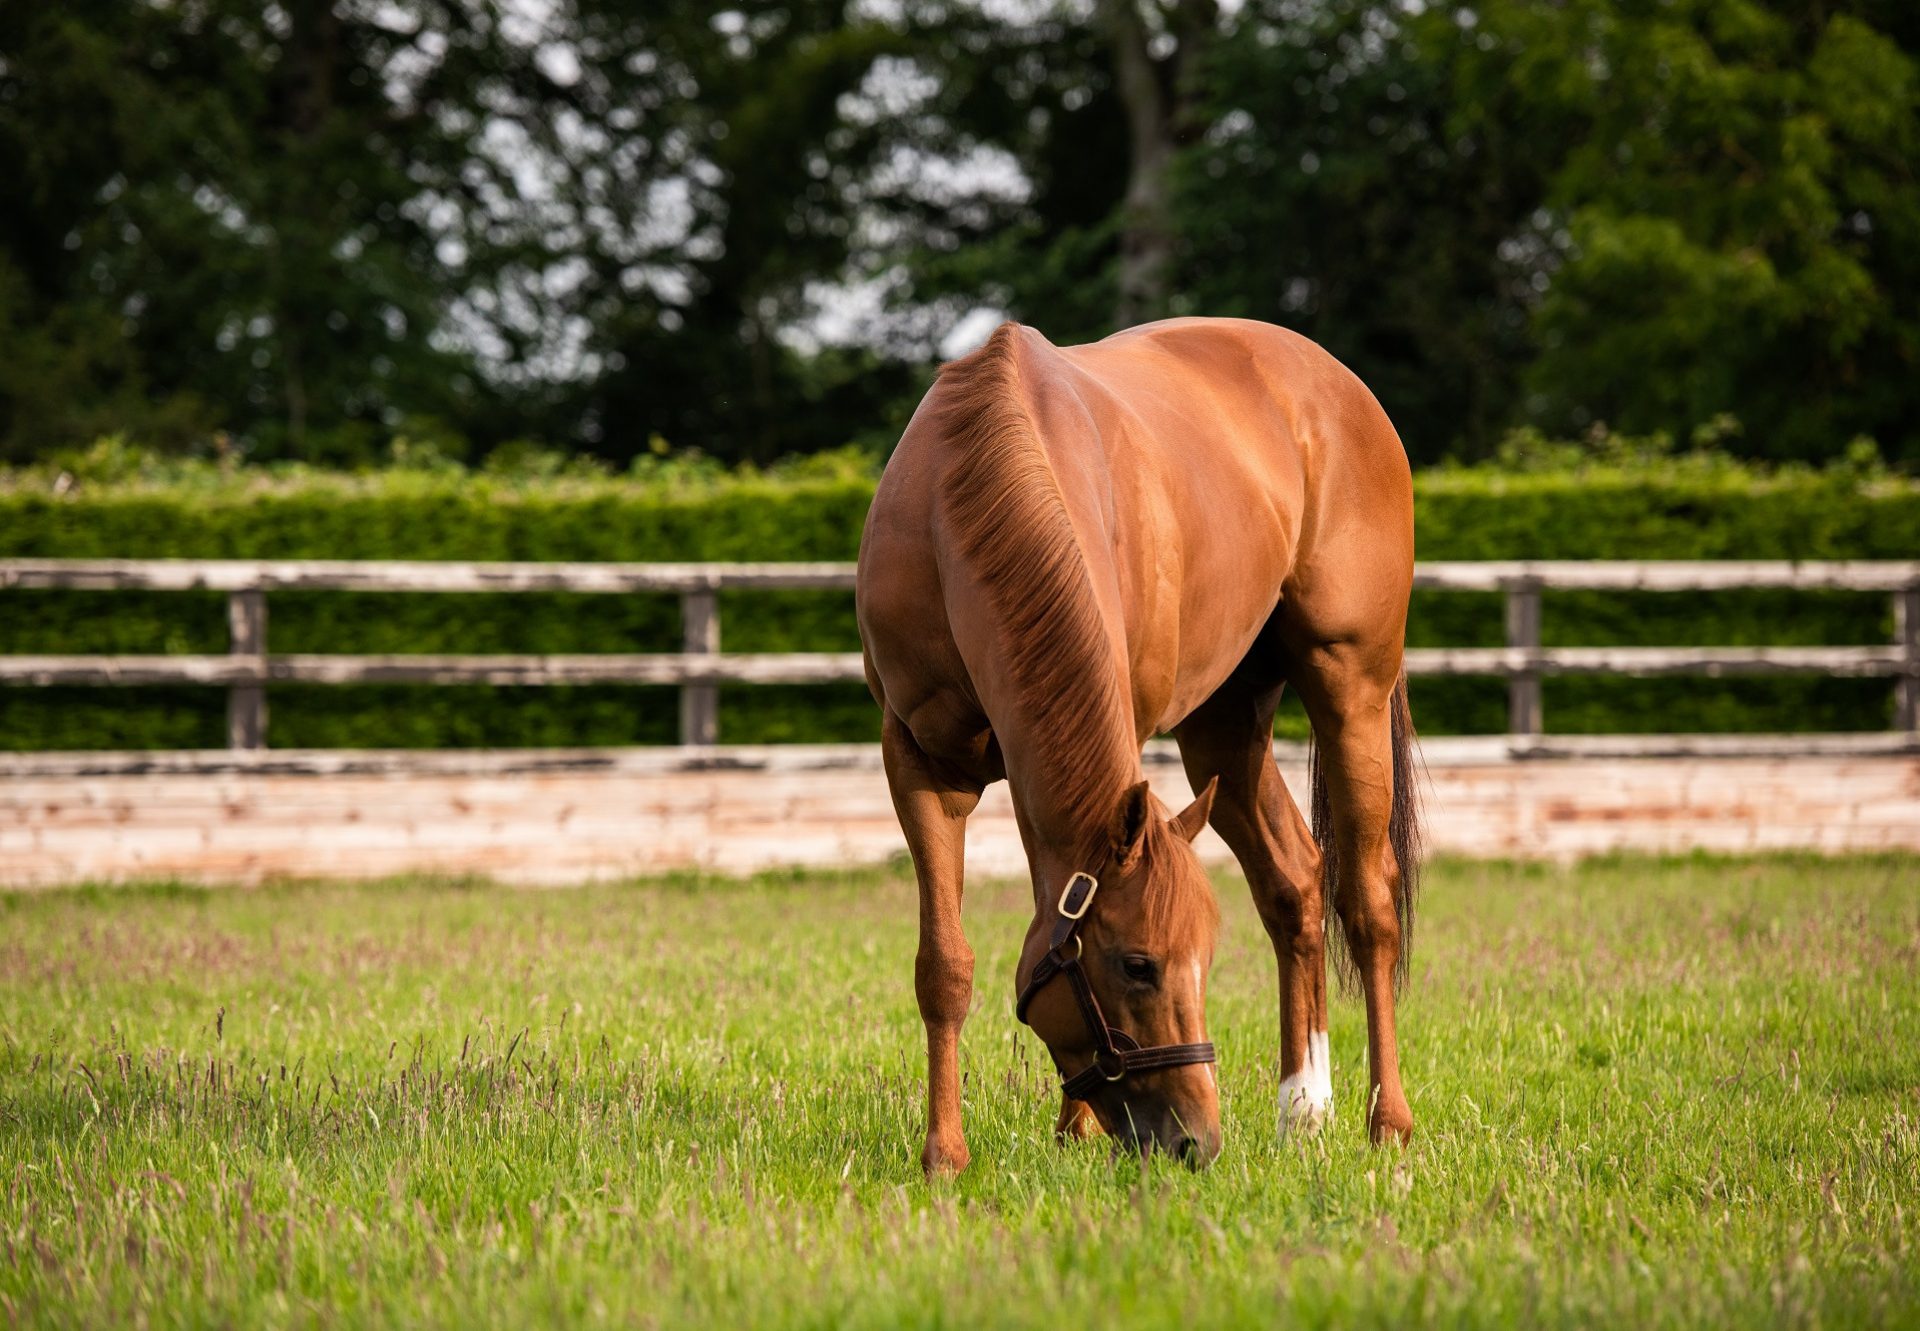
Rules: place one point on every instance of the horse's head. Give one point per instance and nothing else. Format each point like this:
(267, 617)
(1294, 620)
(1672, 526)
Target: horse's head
(1133, 932)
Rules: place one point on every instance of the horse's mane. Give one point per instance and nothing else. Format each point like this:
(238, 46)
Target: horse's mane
(1005, 516)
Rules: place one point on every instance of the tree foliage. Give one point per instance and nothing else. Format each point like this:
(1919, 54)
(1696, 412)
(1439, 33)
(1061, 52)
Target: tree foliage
(1651, 215)
(626, 226)
(1742, 217)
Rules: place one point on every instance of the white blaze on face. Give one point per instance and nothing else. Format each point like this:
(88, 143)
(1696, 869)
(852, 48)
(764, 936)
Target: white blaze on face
(1200, 1005)
(1306, 1098)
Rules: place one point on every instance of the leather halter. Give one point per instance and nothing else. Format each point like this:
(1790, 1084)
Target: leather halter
(1115, 1052)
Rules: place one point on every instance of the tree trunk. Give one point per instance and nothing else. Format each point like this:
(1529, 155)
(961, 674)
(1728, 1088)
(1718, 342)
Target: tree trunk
(1160, 112)
(312, 64)
(1146, 227)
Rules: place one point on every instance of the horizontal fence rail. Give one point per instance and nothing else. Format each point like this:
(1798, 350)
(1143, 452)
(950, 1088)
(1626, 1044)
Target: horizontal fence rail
(348, 575)
(700, 668)
(594, 668)
(421, 575)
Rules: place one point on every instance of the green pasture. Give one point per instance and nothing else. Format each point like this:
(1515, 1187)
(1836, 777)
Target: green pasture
(1649, 1093)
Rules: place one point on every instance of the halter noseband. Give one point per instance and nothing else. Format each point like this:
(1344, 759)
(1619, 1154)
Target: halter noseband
(1115, 1052)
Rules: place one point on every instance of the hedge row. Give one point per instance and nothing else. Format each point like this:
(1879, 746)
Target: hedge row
(1680, 509)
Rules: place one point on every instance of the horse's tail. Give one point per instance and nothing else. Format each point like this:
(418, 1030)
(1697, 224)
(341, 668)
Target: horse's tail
(1403, 834)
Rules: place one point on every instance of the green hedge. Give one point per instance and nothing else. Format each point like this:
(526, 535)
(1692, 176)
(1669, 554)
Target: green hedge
(1680, 509)
(1673, 509)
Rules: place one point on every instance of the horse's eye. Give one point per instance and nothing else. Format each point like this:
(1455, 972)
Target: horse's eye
(1141, 970)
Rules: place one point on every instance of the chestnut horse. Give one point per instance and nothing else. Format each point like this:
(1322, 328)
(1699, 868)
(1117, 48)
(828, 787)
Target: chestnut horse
(1076, 548)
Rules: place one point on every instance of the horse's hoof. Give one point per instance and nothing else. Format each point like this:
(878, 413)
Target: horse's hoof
(1390, 1125)
(944, 1162)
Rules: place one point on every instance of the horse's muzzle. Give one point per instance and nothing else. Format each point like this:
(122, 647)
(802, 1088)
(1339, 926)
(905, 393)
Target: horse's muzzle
(1195, 1148)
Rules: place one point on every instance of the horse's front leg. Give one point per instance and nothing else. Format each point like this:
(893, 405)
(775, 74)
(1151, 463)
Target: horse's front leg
(1230, 736)
(933, 806)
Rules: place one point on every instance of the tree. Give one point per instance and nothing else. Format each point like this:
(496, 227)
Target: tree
(748, 229)
(1740, 213)
(1157, 54)
(767, 181)
(253, 216)
(1341, 195)
(1648, 215)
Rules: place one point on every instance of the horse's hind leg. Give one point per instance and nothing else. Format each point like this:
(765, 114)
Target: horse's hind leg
(933, 805)
(1230, 736)
(1349, 696)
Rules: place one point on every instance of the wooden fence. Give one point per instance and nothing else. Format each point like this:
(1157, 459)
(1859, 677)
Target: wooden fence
(701, 667)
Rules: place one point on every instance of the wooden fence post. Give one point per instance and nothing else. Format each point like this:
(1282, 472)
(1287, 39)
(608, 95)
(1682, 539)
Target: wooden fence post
(247, 703)
(1523, 631)
(1906, 636)
(700, 703)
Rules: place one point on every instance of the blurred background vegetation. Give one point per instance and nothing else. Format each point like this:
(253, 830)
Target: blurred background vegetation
(626, 228)
(656, 279)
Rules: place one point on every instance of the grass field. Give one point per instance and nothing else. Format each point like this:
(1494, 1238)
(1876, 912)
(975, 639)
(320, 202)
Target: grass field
(1649, 1092)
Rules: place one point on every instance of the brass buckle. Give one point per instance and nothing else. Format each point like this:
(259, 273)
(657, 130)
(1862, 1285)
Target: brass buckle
(1092, 885)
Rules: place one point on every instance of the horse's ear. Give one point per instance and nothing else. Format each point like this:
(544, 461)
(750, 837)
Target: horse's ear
(1191, 819)
(1130, 821)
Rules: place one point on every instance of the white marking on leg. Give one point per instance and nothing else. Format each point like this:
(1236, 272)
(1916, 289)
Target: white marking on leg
(1306, 1098)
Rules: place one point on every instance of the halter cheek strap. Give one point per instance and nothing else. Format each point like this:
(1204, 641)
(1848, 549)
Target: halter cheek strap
(1115, 1052)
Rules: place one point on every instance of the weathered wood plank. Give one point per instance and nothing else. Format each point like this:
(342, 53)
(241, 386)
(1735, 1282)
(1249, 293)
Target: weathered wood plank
(596, 668)
(247, 639)
(1638, 662)
(131, 670)
(410, 575)
(601, 668)
(184, 770)
(460, 576)
(845, 667)
(1668, 575)
(1906, 638)
(700, 636)
(1866, 744)
(1523, 635)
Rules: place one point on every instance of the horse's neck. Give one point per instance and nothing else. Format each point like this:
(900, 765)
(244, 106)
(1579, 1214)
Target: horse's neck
(1063, 713)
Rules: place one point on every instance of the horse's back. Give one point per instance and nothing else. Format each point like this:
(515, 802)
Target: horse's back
(1216, 388)
(1279, 490)
(1350, 539)
(1208, 466)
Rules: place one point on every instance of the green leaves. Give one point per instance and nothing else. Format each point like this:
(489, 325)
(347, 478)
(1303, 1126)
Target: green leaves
(1725, 207)
(749, 230)
(1646, 215)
